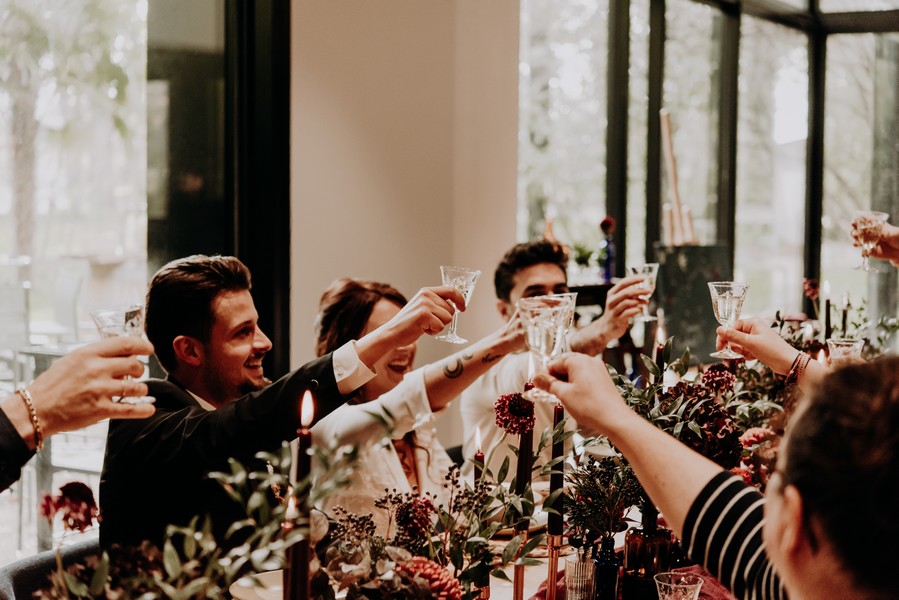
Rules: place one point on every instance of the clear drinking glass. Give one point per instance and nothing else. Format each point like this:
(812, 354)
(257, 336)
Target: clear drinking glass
(120, 321)
(570, 321)
(843, 351)
(546, 320)
(868, 226)
(463, 280)
(727, 302)
(579, 573)
(678, 586)
(648, 272)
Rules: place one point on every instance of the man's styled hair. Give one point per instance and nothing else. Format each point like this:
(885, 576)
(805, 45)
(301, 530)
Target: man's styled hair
(180, 297)
(344, 309)
(525, 255)
(842, 455)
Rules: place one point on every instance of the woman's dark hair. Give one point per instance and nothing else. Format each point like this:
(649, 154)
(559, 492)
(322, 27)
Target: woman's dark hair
(344, 309)
(525, 255)
(180, 297)
(842, 455)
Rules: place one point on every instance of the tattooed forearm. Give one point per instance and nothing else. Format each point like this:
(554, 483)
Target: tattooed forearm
(453, 370)
(489, 358)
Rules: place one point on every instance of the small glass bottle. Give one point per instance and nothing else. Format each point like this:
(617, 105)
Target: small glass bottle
(607, 567)
(647, 551)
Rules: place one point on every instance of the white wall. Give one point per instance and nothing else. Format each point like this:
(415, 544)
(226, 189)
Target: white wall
(404, 150)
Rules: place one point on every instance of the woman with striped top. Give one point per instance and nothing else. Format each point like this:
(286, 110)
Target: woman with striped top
(828, 525)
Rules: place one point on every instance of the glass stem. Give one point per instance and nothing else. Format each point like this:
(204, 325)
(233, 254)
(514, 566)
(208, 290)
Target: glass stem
(452, 330)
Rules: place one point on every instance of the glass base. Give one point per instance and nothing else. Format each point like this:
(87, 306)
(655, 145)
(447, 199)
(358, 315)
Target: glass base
(535, 394)
(726, 353)
(645, 318)
(452, 338)
(867, 268)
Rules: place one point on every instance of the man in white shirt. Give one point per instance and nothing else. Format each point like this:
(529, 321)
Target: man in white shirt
(534, 269)
(216, 402)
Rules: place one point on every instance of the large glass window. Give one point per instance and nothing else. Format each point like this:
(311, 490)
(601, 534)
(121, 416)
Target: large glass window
(563, 118)
(692, 63)
(860, 158)
(771, 149)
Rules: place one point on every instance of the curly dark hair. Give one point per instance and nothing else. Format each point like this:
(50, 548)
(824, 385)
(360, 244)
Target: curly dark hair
(842, 454)
(525, 255)
(344, 309)
(180, 297)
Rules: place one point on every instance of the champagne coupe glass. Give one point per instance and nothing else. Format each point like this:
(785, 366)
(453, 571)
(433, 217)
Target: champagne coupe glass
(868, 225)
(121, 321)
(727, 301)
(648, 272)
(545, 319)
(463, 280)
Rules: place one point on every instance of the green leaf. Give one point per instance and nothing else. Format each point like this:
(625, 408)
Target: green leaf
(650, 366)
(98, 581)
(77, 588)
(500, 574)
(511, 549)
(503, 470)
(170, 560)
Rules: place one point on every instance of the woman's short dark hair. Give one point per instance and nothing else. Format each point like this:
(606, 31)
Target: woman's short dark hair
(525, 255)
(180, 297)
(842, 455)
(344, 309)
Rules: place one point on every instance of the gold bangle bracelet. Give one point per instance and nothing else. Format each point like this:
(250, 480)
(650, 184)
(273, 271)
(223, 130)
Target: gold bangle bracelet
(29, 402)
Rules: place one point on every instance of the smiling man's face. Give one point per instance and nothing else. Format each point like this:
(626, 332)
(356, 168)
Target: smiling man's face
(232, 357)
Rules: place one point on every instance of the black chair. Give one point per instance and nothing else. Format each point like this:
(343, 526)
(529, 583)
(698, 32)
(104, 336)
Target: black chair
(20, 579)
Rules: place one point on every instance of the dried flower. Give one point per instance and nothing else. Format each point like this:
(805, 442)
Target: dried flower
(607, 225)
(514, 414)
(756, 435)
(719, 379)
(601, 492)
(707, 426)
(443, 586)
(413, 522)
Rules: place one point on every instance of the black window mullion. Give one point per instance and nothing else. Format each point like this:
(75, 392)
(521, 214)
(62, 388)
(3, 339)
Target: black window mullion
(616, 129)
(727, 128)
(814, 179)
(653, 127)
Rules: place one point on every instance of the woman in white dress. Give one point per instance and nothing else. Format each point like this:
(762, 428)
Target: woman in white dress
(410, 458)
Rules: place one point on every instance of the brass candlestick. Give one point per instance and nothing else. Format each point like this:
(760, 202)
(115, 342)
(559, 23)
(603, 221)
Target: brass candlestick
(518, 573)
(554, 544)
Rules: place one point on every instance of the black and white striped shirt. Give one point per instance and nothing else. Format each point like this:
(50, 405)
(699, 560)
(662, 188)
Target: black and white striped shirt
(723, 532)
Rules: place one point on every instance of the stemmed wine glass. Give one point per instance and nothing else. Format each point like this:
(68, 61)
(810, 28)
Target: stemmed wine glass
(545, 319)
(868, 225)
(463, 280)
(569, 321)
(648, 272)
(727, 301)
(121, 321)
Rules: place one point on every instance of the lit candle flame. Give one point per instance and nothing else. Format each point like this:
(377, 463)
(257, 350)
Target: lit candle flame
(822, 357)
(307, 409)
(292, 512)
(825, 289)
(478, 438)
(661, 336)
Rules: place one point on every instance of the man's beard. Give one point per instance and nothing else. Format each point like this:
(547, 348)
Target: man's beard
(248, 387)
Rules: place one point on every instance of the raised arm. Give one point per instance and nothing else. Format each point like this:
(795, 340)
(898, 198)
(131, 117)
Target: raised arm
(888, 246)
(671, 473)
(622, 304)
(756, 339)
(428, 312)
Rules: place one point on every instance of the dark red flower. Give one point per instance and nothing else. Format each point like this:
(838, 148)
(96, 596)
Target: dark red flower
(810, 288)
(413, 518)
(77, 505)
(514, 414)
(443, 586)
(719, 379)
(48, 507)
(607, 225)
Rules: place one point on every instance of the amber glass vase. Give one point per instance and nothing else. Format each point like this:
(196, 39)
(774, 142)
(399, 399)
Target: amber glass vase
(647, 551)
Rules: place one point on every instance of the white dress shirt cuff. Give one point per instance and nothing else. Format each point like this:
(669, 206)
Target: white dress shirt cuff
(349, 370)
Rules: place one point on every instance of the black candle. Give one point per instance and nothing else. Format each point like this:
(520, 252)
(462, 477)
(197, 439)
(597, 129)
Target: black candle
(828, 330)
(296, 583)
(554, 521)
(478, 460)
(845, 323)
(523, 471)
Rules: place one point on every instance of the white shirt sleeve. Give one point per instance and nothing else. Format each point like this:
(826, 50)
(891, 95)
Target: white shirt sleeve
(349, 370)
(406, 407)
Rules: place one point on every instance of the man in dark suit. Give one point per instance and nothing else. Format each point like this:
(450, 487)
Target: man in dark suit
(216, 403)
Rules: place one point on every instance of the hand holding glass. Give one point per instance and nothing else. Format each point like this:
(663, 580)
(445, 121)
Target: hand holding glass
(648, 272)
(868, 225)
(463, 280)
(727, 302)
(122, 321)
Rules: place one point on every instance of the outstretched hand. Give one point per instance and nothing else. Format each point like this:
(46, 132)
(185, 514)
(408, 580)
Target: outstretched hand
(756, 339)
(888, 246)
(584, 386)
(623, 303)
(77, 390)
